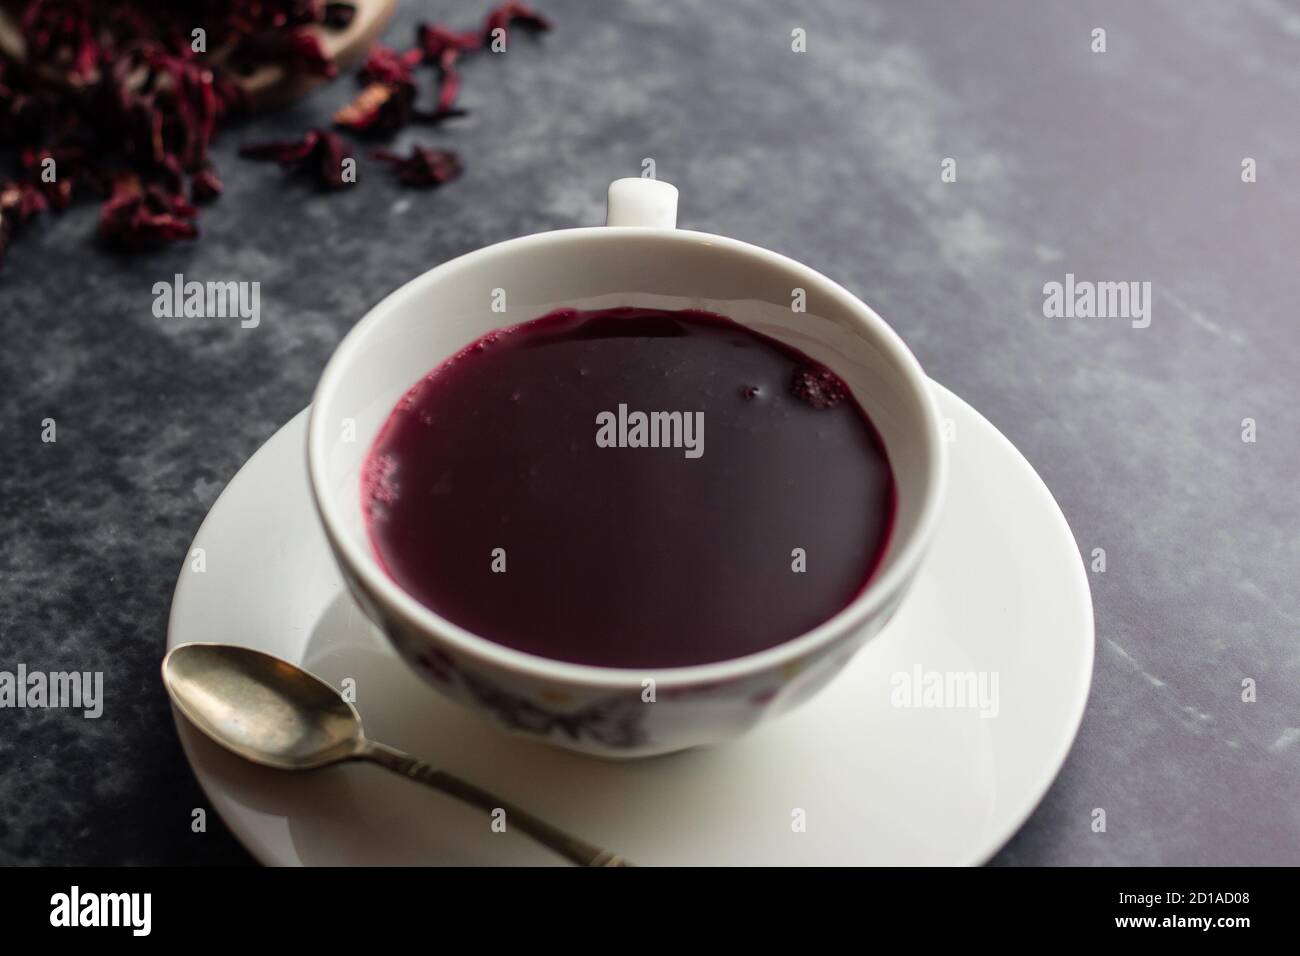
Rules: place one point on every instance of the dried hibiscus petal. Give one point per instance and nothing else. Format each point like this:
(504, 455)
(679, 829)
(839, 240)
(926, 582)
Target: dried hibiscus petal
(319, 153)
(172, 173)
(304, 50)
(21, 201)
(386, 65)
(205, 185)
(434, 40)
(379, 109)
(59, 192)
(448, 82)
(514, 14)
(137, 216)
(424, 168)
(296, 49)
(160, 200)
(443, 47)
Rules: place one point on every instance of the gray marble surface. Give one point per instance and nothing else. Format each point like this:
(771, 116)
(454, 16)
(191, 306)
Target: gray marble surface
(1123, 165)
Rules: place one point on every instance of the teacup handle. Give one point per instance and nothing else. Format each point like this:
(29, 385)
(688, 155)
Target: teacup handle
(647, 203)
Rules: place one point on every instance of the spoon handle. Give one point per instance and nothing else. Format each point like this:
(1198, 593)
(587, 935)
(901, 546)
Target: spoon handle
(569, 847)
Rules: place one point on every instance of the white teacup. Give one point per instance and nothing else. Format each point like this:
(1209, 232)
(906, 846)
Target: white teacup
(638, 259)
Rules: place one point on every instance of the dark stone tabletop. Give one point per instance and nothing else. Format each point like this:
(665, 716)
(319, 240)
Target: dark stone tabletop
(1122, 165)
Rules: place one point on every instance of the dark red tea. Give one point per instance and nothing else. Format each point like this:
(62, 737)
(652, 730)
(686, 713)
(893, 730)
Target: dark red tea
(630, 488)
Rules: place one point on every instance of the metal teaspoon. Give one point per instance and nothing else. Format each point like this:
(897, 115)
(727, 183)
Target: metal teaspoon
(276, 714)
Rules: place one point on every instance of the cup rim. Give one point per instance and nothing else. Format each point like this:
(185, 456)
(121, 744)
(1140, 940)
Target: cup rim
(433, 627)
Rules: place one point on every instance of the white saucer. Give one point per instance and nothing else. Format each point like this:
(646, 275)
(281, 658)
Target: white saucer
(1003, 591)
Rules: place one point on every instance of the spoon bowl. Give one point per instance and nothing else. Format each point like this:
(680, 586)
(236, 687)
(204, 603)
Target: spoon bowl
(260, 707)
